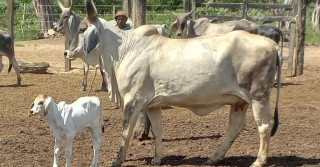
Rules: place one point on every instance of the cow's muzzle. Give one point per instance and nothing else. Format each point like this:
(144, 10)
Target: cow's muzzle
(67, 54)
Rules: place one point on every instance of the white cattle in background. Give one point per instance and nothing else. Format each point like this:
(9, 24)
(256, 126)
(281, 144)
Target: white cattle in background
(65, 120)
(201, 74)
(7, 49)
(68, 25)
(188, 28)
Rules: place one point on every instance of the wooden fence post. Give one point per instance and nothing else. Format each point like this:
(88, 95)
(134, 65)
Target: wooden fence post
(301, 35)
(139, 12)
(127, 7)
(10, 16)
(186, 5)
(292, 41)
(194, 8)
(245, 9)
(67, 62)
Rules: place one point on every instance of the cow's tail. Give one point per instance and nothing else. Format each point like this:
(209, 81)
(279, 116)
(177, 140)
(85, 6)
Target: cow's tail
(10, 67)
(102, 124)
(276, 112)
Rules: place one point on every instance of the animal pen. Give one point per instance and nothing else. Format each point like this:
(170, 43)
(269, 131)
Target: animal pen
(293, 15)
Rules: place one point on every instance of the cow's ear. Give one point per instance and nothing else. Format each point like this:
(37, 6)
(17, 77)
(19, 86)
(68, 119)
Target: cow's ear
(174, 28)
(90, 39)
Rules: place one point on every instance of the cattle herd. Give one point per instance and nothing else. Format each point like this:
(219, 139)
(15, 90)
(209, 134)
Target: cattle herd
(214, 64)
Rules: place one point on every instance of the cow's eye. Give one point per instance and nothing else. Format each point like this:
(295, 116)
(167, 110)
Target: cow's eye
(66, 16)
(41, 103)
(83, 29)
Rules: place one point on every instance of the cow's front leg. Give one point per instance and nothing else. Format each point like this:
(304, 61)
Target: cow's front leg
(265, 121)
(85, 76)
(131, 112)
(69, 144)
(156, 126)
(57, 146)
(237, 121)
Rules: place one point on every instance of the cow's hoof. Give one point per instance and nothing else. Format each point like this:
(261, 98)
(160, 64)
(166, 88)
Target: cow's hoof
(211, 162)
(155, 163)
(115, 164)
(104, 89)
(144, 137)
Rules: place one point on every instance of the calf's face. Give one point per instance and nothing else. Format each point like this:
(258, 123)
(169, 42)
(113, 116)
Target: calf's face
(38, 106)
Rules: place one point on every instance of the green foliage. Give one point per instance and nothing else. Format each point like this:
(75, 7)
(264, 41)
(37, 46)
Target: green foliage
(158, 12)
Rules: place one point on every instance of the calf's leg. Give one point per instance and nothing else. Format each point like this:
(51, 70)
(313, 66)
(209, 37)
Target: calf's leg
(57, 146)
(96, 138)
(69, 145)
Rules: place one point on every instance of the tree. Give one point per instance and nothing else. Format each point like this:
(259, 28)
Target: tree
(139, 13)
(316, 16)
(45, 13)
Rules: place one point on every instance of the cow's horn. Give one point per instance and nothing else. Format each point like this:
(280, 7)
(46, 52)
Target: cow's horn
(72, 5)
(91, 10)
(189, 13)
(60, 4)
(174, 13)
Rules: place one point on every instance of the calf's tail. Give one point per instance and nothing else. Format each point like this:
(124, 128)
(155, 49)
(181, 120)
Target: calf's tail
(276, 112)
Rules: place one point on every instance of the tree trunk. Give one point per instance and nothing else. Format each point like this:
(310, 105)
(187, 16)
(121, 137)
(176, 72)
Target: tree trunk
(45, 13)
(127, 7)
(139, 12)
(316, 17)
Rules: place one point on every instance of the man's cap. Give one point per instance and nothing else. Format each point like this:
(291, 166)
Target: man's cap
(121, 13)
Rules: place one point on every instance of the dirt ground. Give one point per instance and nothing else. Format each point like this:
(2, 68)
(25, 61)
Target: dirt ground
(188, 139)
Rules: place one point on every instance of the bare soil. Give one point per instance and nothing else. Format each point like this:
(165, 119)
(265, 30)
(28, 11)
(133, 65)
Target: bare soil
(188, 139)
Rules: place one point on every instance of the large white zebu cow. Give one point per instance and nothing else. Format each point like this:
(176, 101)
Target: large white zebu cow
(201, 74)
(7, 49)
(189, 28)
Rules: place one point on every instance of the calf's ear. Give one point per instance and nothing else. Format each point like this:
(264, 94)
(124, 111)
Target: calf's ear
(90, 39)
(174, 28)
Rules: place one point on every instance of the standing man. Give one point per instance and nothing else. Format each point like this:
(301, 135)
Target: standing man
(121, 19)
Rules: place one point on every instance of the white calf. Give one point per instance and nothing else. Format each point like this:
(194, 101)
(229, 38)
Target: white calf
(65, 120)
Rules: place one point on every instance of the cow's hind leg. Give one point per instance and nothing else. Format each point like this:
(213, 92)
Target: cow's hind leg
(104, 83)
(1, 65)
(131, 111)
(156, 125)
(15, 66)
(237, 121)
(264, 119)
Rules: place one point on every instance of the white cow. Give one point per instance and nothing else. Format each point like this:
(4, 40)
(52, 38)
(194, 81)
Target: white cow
(7, 49)
(65, 120)
(68, 24)
(188, 28)
(201, 74)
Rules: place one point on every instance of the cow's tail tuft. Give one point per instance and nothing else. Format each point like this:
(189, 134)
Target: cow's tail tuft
(10, 67)
(276, 112)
